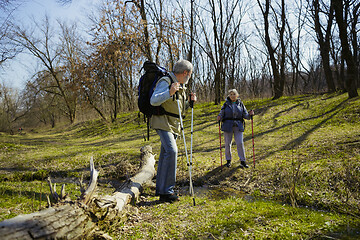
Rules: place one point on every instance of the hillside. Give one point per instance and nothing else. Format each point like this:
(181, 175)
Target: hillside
(305, 183)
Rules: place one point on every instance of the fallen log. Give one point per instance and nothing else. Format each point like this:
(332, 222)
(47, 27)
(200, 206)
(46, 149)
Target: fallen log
(78, 219)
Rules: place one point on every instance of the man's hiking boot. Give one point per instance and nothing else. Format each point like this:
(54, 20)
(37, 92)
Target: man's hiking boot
(228, 164)
(169, 198)
(243, 164)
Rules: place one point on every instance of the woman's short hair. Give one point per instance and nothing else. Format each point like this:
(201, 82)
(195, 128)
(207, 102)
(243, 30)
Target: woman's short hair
(233, 91)
(182, 65)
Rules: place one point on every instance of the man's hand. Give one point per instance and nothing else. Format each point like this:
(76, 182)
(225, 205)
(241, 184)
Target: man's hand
(174, 88)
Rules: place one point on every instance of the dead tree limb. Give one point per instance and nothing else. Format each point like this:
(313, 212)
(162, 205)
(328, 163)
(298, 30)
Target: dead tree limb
(78, 219)
(87, 195)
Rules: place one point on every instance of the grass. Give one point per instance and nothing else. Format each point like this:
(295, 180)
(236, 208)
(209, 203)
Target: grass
(305, 183)
(232, 217)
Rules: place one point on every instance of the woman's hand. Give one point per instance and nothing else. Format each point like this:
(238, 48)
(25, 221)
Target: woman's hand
(193, 97)
(251, 113)
(218, 118)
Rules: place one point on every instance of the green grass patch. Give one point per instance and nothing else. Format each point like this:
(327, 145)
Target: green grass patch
(233, 218)
(305, 183)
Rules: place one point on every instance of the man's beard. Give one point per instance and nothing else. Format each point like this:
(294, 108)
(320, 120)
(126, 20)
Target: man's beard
(186, 79)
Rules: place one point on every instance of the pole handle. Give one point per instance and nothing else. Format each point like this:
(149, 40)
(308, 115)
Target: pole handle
(191, 102)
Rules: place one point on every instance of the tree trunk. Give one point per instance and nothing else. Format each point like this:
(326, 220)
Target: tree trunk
(324, 43)
(78, 220)
(217, 87)
(281, 84)
(278, 82)
(352, 74)
(146, 30)
(190, 52)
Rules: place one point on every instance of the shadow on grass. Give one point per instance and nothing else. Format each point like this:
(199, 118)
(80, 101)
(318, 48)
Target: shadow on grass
(263, 110)
(213, 125)
(298, 141)
(31, 195)
(349, 231)
(146, 203)
(31, 174)
(215, 176)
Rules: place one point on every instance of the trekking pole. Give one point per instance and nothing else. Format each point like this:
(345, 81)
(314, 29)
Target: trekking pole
(191, 146)
(252, 129)
(191, 189)
(192, 124)
(220, 144)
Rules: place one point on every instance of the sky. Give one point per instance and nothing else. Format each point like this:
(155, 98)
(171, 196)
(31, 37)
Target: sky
(17, 71)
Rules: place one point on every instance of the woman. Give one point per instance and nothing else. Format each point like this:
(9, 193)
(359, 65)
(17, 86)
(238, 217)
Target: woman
(232, 114)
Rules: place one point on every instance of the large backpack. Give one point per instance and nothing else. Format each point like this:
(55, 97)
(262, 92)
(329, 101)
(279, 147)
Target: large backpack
(147, 83)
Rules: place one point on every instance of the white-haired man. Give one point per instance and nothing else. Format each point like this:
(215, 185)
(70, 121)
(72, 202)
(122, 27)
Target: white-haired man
(168, 126)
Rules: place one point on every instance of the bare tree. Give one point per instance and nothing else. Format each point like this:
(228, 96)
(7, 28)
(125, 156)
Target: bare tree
(125, 35)
(41, 43)
(112, 67)
(190, 51)
(8, 50)
(295, 39)
(168, 38)
(11, 109)
(219, 43)
(140, 4)
(324, 34)
(43, 106)
(341, 11)
(188, 31)
(277, 64)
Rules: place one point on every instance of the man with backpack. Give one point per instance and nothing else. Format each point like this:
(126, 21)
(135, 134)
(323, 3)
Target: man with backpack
(170, 94)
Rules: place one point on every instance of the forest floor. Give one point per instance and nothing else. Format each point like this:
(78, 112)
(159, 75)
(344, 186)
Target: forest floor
(304, 184)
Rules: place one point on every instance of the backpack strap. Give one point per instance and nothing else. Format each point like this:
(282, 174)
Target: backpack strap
(160, 110)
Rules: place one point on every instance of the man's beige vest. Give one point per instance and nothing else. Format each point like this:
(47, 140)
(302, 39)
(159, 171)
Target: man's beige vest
(166, 122)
